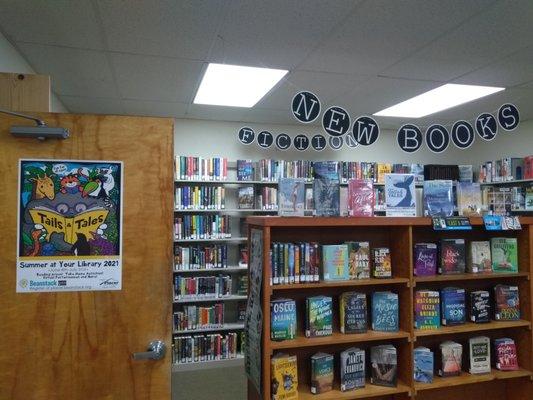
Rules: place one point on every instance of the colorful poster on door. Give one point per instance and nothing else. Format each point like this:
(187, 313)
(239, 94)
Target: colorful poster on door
(69, 226)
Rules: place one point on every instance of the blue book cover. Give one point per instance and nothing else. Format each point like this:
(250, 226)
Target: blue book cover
(400, 198)
(424, 365)
(438, 198)
(326, 190)
(352, 369)
(385, 312)
(245, 170)
(453, 309)
(282, 319)
(291, 197)
(335, 262)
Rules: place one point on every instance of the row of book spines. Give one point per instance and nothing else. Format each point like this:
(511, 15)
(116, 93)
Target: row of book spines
(193, 317)
(199, 168)
(200, 257)
(271, 170)
(200, 198)
(267, 198)
(294, 263)
(506, 169)
(209, 286)
(202, 227)
(207, 347)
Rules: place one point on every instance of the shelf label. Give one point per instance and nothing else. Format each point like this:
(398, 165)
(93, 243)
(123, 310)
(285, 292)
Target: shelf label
(501, 223)
(451, 224)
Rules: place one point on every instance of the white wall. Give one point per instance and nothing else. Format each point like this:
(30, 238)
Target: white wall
(12, 61)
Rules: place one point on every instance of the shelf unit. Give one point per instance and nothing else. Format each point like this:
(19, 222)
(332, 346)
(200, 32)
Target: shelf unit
(400, 235)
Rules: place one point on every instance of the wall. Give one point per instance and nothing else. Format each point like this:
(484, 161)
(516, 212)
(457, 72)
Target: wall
(12, 61)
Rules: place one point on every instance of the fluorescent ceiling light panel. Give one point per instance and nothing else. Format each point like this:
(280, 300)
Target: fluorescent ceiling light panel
(441, 98)
(236, 86)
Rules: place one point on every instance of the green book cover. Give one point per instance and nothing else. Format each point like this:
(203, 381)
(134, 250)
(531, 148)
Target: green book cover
(504, 254)
(321, 373)
(335, 262)
(319, 321)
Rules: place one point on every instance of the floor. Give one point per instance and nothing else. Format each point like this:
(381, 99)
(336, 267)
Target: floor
(216, 384)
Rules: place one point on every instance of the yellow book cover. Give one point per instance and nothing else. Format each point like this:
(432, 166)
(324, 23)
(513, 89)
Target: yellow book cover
(284, 375)
(383, 168)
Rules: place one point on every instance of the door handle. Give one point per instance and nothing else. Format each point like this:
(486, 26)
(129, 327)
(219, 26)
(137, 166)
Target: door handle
(156, 351)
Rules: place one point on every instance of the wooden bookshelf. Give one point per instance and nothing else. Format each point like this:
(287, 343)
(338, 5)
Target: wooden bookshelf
(399, 234)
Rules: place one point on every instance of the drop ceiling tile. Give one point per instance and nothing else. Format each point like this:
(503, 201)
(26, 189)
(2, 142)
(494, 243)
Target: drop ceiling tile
(92, 105)
(276, 34)
(164, 28)
(268, 116)
(65, 23)
(74, 72)
(216, 113)
(156, 78)
(154, 108)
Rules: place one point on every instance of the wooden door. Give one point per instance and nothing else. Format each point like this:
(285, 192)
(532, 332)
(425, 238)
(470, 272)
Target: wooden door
(79, 345)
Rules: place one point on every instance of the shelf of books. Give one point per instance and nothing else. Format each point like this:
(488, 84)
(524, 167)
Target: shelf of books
(362, 307)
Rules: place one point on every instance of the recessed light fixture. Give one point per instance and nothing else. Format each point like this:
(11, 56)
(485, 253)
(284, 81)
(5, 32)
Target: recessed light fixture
(235, 85)
(438, 99)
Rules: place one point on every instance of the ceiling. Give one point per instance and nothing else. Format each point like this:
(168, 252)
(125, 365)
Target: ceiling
(147, 58)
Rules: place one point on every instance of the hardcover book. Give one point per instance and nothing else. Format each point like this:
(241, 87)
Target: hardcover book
(438, 198)
(321, 373)
(423, 371)
(469, 199)
(479, 355)
(383, 169)
(245, 170)
(343, 201)
(282, 319)
(427, 309)
(505, 354)
(284, 371)
(326, 189)
(353, 312)
(361, 198)
(385, 311)
(507, 303)
(246, 197)
(479, 258)
(353, 369)
(335, 262)
(504, 254)
(451, 354)
(319, 316)
(418, 171)
(291, 197)
(529, 199)
(400, 196)
(466, 173)
(359, 260)
(425, 256)
(384, 365)
(453, 310)
(381, 259)
(452, 256)
(480, 306)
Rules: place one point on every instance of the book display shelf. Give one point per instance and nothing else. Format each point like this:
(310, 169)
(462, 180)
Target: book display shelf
(399, 235)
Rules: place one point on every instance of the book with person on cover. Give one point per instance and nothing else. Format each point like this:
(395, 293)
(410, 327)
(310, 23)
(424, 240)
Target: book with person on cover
(335, 262)
(319, 316)
(358, 260)
(353, 312)
(452, 256)
(450, 357)
(353, 369)
(469, 199)
(382, 264)
(438, 198)
(246, 197)
(385, 311)
(504, 254)
(400, 198)
(479, 351)
(427, 309)
(384, 365)
(245, 170)
(479, 257)
(321, 373)
(284, 377)
(425, 256)
(423, 359)
(453, 309)
(361, 198)
(505, 354)
(507, 303)
(291, 197)
(480, 306)
(282, 319)
(326, 192)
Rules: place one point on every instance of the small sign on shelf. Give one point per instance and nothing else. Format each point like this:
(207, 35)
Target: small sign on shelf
(451, 223)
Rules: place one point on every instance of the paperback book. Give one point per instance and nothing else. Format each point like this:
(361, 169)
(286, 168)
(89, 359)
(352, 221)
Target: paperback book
(385, 312)
(479, 258)
(361, 198)
(326, 190)
(480, 306)
(343, 201)
(425, 256)
(451, 354)
(469, 199)
(400, 196)
(438, 198)
(246, 198)
(423, 359)
(452, 256)
(359, 260)
(427, 309)
(284, 371)
(335, 262)
(505, 354)
(479, 350)
(245, 170)
(453, 310)
(381, 260)
(353, 369)
(282, 319)
(321, 373)
(504, 254)
(384, 365)
(319, 316)
(353, 312)
(291, 197)
(507, 303)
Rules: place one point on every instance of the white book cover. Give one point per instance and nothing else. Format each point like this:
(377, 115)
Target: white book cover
(400, 197)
